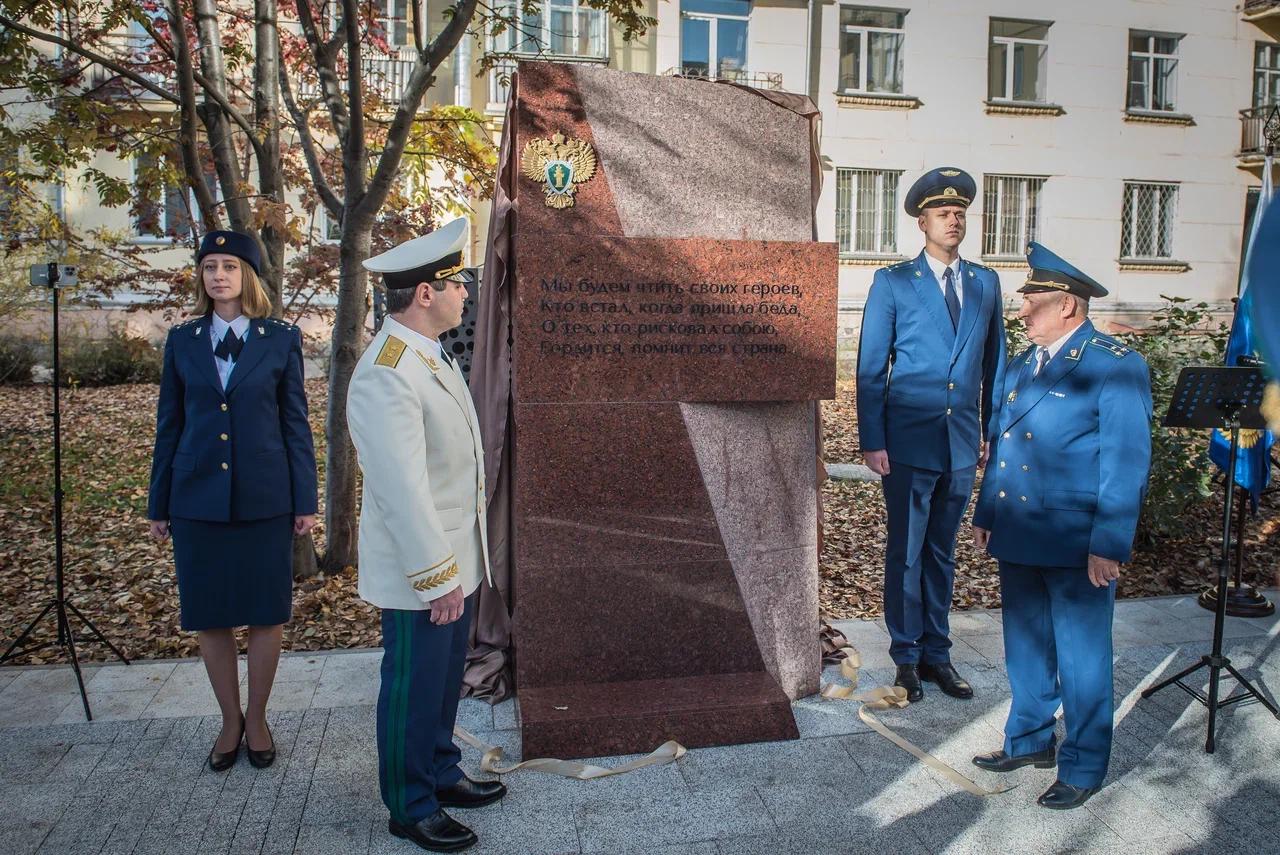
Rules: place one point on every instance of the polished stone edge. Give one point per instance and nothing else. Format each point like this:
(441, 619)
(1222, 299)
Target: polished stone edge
(612, 719)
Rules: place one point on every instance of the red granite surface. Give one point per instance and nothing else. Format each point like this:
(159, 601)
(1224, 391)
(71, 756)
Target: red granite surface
(635, 717)
(651, 319)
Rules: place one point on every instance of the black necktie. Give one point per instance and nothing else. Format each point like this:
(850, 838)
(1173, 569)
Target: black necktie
(229, 347)
(444, 354)
(953, 300)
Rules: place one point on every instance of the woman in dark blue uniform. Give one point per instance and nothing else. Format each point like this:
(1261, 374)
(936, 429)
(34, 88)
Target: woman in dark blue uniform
(233, 480)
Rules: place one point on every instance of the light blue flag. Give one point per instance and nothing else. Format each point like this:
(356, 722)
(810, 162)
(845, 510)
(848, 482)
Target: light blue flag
(1253, 462)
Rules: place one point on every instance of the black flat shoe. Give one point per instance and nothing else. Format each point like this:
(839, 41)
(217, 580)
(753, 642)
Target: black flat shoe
(1063, 796)
(437, 833)
(999, 761)
(471, 794)
(264, 758)
(909, 679)
(948, 680)
(222, 761)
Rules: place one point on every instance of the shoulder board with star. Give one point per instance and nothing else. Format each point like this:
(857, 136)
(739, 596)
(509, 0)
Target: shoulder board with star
(185, 324)
(1110, 345)
(979, 266)
(390, 352)
(901, 265)
(279, 323)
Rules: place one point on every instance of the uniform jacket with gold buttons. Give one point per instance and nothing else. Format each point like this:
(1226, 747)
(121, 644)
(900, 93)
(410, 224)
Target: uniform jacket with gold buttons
(422, 521)
(924, 388)
(1069, 463)
(243, 453)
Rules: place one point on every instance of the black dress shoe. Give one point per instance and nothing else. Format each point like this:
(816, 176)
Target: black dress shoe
(909, 679)
(471, 794)
(222, 761)
(999, 761)
(437, 833)
(1063, 796)
(950, 682)
(264, 758)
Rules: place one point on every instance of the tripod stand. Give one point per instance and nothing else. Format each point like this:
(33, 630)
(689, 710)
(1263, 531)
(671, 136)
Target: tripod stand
(59, 606)
(1227, 398)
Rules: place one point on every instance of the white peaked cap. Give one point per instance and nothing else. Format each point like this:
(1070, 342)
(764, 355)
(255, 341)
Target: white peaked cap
(421, 251)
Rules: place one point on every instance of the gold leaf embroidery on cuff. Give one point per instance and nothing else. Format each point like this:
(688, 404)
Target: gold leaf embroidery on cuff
(433, 567)
(437, 579)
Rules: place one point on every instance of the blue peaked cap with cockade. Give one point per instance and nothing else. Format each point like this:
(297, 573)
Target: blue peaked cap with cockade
(1052, 272)
(242, 246)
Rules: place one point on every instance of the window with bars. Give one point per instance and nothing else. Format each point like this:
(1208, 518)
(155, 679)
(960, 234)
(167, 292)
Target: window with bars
(867, 211)
(1147, 220)
(1010, 214)
(1153, 71)
(871, 42)
(1017, 60)
(1266, 73)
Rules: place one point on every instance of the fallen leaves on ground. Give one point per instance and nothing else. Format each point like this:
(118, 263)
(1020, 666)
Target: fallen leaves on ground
(123, 582)
(852, 563)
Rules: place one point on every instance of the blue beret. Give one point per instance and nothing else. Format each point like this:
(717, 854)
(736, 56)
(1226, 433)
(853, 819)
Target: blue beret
(1263, 275)
(242, 246)
(945, 185)
(1051, 272)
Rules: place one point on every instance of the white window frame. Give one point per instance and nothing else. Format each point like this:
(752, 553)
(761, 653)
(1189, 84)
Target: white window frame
(390, 19)
(884, 213)
(193, 213)
(323, 224)
(1008, 43)
(713, 48)
(1129, 225)
(515, 35)
(996, 221)
(1149, 57)
(865, 53)
(1266, 72)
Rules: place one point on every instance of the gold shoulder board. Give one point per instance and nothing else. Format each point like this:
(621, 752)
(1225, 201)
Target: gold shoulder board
(392, 349)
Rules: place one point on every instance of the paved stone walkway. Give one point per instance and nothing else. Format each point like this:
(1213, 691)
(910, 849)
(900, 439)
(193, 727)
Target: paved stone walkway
(133, 781)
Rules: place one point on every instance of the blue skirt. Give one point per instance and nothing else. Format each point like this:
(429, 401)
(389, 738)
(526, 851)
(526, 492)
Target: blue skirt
(234, 574)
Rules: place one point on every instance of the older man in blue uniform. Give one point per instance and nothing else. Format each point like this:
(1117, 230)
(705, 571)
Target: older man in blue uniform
(1058, 508)
(932, 343)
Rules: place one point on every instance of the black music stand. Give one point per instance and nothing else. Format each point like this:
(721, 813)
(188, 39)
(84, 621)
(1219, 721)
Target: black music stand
(1226, 398)
(56, 277)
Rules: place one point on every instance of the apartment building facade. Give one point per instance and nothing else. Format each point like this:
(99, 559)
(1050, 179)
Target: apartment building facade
(1126, 135)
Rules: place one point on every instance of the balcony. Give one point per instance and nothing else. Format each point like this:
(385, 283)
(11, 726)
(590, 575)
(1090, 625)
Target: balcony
(756, 80)
(1253, 10)
(387, 76)
(1256, 124)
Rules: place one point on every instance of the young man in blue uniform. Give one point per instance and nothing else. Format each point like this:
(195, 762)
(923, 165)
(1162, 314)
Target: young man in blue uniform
(1058, 508)
(932, 343)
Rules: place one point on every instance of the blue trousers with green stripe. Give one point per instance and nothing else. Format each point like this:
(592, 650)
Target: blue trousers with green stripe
(422, 667)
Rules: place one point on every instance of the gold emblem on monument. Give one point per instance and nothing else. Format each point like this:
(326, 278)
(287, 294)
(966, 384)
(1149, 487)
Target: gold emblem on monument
(560, 165)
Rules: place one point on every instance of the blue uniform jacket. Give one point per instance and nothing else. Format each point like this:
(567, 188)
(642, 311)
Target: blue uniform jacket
(242, 454)
(924, 390)
(1068, 468)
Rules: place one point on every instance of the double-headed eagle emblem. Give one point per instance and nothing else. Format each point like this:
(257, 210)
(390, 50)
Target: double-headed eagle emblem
(560, 165)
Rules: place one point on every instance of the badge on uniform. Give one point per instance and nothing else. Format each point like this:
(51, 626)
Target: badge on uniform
(1013, 396)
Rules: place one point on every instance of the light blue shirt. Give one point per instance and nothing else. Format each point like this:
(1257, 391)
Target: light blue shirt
(241, 327)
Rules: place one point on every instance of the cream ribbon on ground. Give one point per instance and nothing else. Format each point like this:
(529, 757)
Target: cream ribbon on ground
(893, 697)
(667, 752)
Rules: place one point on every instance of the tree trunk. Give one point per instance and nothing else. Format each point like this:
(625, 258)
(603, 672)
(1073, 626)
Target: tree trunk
(266, 108)
(304, 557)
(348, 331)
